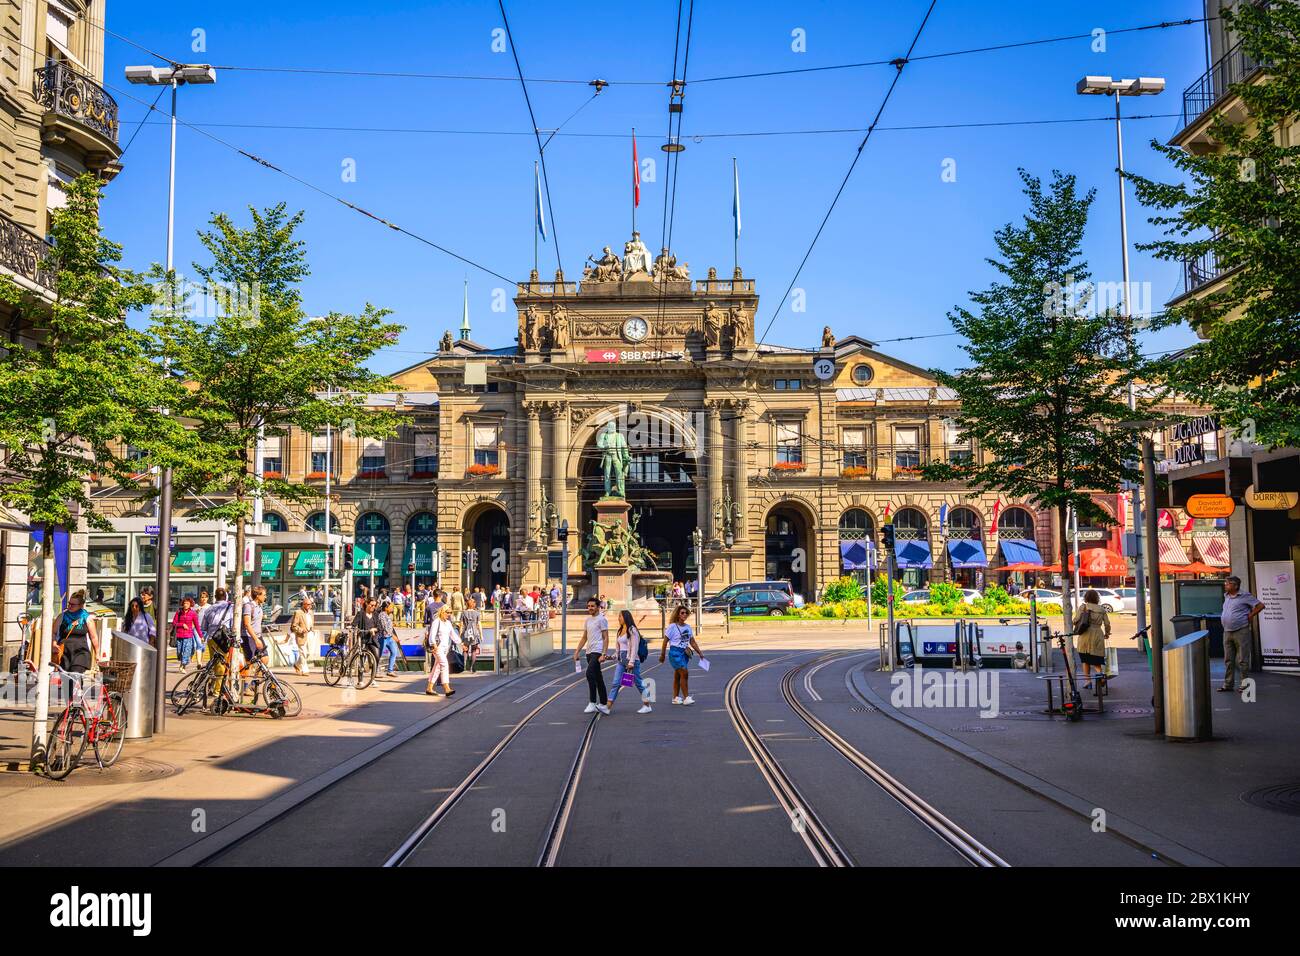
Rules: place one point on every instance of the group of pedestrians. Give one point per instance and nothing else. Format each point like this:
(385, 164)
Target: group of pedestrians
(629, 652)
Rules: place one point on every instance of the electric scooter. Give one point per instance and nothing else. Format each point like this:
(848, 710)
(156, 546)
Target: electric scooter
(1072, 708)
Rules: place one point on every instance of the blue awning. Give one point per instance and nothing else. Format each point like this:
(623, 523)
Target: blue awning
(964, 553)
(1019, 551)
(854, 555)
(913, 554)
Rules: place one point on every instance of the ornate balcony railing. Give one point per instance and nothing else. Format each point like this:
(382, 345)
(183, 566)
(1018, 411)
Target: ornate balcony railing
(23, 253)
(1233, 67)
(64, 91)
(1200, 271)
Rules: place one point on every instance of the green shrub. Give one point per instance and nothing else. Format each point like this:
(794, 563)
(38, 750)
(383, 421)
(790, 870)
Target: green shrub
(944, 593)
(842, 589)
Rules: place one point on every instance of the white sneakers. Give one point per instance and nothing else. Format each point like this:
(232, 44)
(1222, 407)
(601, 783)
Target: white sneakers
(645, 709)
(603, 708)
(591, 708)
(677, 700)
(688, 700)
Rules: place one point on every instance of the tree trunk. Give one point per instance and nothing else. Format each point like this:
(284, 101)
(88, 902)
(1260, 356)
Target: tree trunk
(49, 584)
(1067, 597)
(237, 591)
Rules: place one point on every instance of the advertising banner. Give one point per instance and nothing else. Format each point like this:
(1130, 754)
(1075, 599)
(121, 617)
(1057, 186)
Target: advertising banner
(1279, 626)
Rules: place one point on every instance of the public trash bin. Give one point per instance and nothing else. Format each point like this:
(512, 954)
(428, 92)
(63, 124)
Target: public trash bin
(1188, 713)
(139, 697)
(1185, 624)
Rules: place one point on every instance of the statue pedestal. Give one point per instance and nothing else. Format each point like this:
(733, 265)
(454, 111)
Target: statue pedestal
(609, 510)
(612, 579)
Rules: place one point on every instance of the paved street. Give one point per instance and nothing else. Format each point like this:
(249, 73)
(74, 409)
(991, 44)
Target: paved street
(487, 777)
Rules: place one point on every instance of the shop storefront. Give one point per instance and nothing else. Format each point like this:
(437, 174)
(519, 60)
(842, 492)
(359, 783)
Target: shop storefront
(120, 564)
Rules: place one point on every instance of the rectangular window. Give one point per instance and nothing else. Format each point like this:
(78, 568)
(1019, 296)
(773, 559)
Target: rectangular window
(272, 466)
(1210, 442)
(486, 442)
(907, 449)
(426, 455)
(372, 456)
(318, 462)
(789, 443)
(272, 456)
(854, 441)
(794, 384)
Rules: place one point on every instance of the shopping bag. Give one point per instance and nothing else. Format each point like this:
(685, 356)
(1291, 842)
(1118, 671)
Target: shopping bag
(629, 679)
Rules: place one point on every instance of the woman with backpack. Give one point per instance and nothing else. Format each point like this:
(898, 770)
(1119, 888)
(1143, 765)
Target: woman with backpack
(438, 641)
(1091, 628)
(632, 650)
(679, 642)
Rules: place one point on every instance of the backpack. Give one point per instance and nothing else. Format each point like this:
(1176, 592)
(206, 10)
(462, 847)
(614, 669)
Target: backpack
(642, 648)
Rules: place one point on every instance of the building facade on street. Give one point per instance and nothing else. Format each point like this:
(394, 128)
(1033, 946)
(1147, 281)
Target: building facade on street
(58, 122)
(1263, 483)
(787, 475)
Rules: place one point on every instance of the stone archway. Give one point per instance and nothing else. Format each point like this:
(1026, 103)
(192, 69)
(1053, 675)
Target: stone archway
(486, 530)
(790, 547)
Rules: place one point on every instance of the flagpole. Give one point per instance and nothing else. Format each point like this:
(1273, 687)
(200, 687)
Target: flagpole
(634, 175)
(536, 200)
(735, 238)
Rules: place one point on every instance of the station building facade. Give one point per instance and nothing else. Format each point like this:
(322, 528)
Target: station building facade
(787, 475)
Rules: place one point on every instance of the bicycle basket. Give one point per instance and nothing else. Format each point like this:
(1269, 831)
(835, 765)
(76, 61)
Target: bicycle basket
(118, 675)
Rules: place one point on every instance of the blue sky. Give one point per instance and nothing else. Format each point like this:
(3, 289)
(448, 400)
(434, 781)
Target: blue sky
(902, 248)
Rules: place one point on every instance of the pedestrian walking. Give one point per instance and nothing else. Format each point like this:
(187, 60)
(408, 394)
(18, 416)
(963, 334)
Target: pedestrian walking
(186, 627)
(679, 642)
(77, 636)
(1091, 626)
(438, 642)
(471, 633)
(632, 650)
(138, 622)
(457, 604)
(301, 627)
(595, 638)
(387, 634)
(1240, 608)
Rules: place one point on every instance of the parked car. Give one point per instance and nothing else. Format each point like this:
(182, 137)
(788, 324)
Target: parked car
(1110, 599)
(1128, 599)
(922, 596)
(1042, 595)
(756, 597)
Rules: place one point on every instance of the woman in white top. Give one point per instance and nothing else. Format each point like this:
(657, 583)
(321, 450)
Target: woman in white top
(438, 641)
(679, 641)
(629, 660)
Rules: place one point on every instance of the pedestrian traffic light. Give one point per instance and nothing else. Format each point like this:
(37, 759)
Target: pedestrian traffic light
(563, 533)
(888, 532)
(347, 557)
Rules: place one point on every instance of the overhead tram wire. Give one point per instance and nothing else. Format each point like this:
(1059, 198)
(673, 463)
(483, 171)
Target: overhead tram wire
(900, 64)
(324, 192)
(541, 152)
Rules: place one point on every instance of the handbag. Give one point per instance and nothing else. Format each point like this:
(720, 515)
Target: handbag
(455, 660)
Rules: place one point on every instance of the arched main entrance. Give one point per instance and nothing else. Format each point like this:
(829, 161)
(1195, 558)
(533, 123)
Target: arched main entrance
(788, 550)
(487, 532)
(661, 486)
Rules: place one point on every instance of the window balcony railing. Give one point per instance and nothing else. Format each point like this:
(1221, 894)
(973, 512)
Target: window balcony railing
(23, 253)
(1213, 85)
(64, 92)
(899, 463)
(1201, 271)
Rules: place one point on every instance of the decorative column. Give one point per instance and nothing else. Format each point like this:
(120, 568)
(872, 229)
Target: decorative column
(717, 463)
(741, 481)
(533, 475)
(559, 456)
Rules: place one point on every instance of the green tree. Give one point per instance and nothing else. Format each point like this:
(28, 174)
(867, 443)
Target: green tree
(1241, 206)
(1047, 387)
(76, 399)
(261, 366)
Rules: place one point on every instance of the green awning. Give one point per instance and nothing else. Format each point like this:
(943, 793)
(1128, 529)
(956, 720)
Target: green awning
(362, 558)
(271, 561)
(309, 564)
(200, 560)
(425, 546)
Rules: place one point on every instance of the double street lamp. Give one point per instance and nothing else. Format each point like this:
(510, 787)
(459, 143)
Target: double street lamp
(173, 76)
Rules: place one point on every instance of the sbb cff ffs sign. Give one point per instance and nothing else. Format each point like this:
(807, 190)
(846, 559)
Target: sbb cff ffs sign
(630, 355)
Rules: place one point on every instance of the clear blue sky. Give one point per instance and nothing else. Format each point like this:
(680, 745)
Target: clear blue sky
(902, 248)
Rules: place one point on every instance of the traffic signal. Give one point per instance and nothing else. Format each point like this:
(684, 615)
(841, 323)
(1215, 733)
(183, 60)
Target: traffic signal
(888, 532)
(347, 557)
(473, 559)
(563, 533)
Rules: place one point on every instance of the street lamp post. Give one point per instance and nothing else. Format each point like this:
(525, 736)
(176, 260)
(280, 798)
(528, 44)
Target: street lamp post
(1142, 86)
(175, 76)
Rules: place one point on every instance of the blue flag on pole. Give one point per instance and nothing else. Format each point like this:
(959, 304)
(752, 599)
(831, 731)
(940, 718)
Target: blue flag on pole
(943, 516)
(537, 202)
(735, 200)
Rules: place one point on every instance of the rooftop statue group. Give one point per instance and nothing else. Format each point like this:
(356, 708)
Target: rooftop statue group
(636, 259)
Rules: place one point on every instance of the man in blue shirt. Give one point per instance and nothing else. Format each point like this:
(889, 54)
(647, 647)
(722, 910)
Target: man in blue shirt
(1240, 608)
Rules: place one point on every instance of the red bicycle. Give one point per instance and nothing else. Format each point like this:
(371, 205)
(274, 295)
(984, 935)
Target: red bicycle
(95, 715)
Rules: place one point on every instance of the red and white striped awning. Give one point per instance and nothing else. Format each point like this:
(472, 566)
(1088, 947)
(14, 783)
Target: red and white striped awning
(1172, 551)
(1213, 548)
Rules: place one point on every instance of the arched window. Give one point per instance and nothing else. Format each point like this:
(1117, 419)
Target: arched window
(370, 544)
(1016, 522)
(963, 523)
(856, 525)
(422, 532)
(276, 522)
(316, 522)
(911, 525)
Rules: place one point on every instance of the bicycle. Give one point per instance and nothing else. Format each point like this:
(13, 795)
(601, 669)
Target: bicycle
(350, 658)
(99, 722)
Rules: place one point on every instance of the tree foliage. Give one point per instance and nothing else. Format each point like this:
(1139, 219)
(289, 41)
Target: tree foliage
(1240, 207)
(88, 388)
